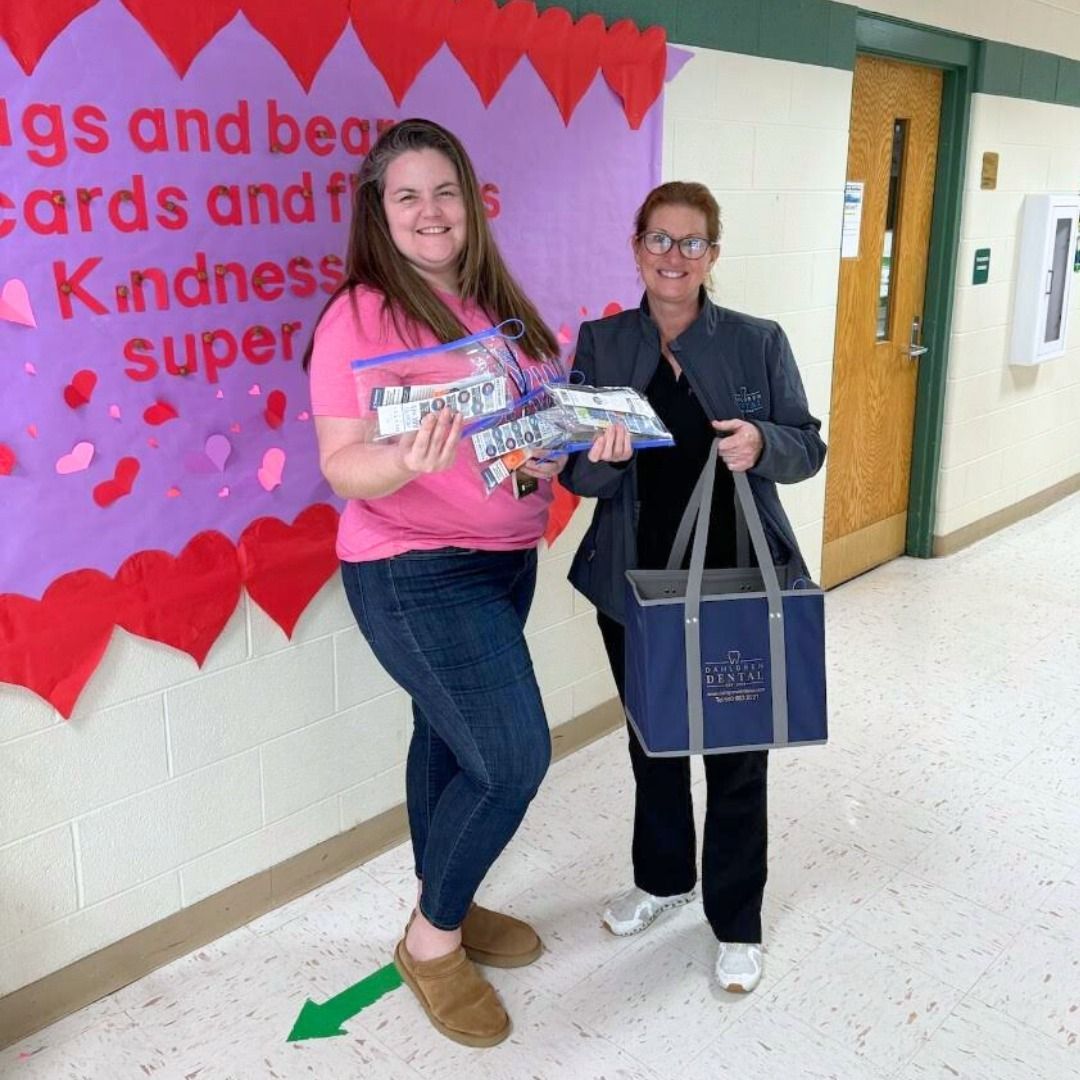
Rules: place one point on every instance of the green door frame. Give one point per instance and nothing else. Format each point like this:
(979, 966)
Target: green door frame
(957, 56)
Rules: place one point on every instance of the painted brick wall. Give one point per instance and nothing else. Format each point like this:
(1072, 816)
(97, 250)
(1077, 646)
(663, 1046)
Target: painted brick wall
(769, 138)
(169, 783)
(1010, 432)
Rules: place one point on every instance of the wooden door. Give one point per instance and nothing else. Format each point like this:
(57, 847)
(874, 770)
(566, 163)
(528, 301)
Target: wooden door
(892, 156)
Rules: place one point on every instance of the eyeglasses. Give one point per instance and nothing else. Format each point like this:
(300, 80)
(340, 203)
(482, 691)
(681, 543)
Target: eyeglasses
(690, 247)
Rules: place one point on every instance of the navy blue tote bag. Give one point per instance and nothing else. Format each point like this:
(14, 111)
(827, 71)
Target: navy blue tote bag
(719, 661)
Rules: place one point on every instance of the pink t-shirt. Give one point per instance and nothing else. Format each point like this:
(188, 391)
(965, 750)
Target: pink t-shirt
(446, 509)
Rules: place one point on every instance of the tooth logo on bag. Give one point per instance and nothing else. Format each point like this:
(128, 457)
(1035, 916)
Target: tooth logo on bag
(734, 679)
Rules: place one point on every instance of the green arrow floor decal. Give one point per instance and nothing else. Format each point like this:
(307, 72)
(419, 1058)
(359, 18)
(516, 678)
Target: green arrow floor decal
(324, 1021)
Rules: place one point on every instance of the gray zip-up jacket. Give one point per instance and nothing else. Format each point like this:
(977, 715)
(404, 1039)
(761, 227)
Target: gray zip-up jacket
(738, 366)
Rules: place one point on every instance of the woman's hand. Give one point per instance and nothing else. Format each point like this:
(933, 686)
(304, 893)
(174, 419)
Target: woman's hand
(547, 469)
(741, 444)
(434, 447)
(612, 444)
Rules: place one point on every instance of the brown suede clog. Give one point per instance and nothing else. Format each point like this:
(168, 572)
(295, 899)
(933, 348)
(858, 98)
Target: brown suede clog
(459, 1001)
(489, 937)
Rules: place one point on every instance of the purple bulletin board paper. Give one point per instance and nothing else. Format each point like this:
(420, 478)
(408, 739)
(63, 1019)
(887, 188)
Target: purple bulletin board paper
(565, 197)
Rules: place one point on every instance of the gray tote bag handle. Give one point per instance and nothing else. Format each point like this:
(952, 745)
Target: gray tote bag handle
(698, 513)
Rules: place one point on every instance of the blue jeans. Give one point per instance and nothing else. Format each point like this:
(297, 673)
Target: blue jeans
(449, 627)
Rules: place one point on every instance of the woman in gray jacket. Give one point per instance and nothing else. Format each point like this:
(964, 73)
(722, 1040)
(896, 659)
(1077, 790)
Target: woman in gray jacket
(708, 372)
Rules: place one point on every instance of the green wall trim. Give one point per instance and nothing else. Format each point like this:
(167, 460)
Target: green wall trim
(795, 30)
(1068, 87)
(1010, 71)
(910, 41)
(820, 32)
(1038, 77)
(938, 306)
(999, 69)
(824, 33)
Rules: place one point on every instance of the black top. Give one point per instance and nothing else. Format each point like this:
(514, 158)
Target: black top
(666, 477)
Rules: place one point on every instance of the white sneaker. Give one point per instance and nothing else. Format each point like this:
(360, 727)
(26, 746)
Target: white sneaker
(635, 910)
(738, 966)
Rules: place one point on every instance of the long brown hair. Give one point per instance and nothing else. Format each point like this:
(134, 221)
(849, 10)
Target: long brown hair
(409, 300)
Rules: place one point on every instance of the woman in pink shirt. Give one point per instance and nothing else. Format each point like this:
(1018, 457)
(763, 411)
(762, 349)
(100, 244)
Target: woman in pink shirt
(439, 575)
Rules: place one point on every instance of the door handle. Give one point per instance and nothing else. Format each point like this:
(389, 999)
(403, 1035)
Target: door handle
(913, 350)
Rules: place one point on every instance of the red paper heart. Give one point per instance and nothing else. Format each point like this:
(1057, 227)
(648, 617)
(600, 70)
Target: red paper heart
(30, 26)
(563, 505)
(275, 409)
(80, 390)
(52, 645)
(634, 65)
(284, 566)
(400, 37)
(303, 33)
(488, 41)
(566, 55)
(181, 31)
(108, 491)
(161, 412)
(7, 460)
(183, 601)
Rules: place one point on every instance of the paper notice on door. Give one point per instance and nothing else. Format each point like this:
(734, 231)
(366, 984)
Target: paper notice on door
(853, 204)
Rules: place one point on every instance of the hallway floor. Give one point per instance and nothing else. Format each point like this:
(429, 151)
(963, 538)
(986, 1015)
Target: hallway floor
(922, 913)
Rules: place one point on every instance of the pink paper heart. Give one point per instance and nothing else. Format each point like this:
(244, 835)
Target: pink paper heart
(77, 461)
(223, 493)
(15, 304)
(218, 448)
(305, 415)
(273, 465)
(114, 411)
(29, 368)
(255, 390)
(220, 394)
(172, 493)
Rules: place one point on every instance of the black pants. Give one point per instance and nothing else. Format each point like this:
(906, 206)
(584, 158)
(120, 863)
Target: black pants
(733, 857)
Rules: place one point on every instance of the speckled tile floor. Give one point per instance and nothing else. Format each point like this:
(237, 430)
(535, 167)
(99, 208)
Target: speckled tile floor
(922, 915)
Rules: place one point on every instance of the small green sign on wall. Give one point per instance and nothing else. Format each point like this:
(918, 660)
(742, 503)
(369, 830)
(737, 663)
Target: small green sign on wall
(981, 272)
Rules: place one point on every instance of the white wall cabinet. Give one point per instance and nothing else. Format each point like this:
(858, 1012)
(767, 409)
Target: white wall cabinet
(1045, 277)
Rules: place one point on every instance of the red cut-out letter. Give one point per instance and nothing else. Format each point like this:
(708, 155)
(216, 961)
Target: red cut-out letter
(275, 121)
(53, 201)
(173, 216)
(158, 138)
(90, 121)
(146, 366)
(71, 285)
(233, 130)
(52, 138)
(6, 225)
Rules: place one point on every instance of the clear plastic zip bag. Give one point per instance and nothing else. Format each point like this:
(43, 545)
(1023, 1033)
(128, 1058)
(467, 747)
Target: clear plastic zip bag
(568, 418)
(476, 376)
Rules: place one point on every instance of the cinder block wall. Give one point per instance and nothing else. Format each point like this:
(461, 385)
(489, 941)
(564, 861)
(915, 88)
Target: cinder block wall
(1010, 432)
(171, 783)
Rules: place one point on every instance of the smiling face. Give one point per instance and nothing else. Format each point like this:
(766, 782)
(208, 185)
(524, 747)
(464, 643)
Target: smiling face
(672, 279)
(425, 211)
